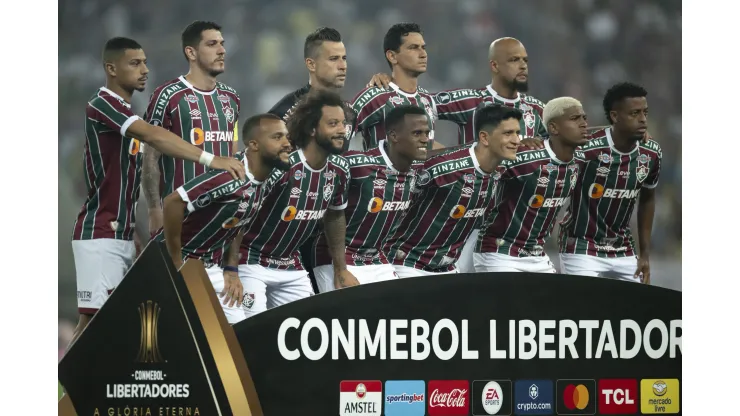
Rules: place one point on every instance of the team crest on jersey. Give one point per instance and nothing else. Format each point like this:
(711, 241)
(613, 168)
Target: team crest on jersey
(643, 158)
(529, 119)
(191, 98)
(469, 178)
(328, 191)
(412, 182)
(605, 158)
(573, 180)
(424, 177)
(229, 113)
(248, 301)
(223, 98)
(298, 175)
(497, 176)
(396, 100)
(642, 173)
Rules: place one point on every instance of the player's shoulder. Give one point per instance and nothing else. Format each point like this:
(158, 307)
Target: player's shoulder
(339, 162)
(102, 100)
(455, 94)
(597, 141)
(452, 155)
(225, 88)
(168, 88)
(366, 95)
(652, 147)
(361, 158)
(532, 101)
(526, 156)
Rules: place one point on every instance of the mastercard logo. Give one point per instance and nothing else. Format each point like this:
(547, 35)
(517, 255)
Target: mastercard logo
(596, 191)
(197, 137)
(289, 213)
(536, 201)
(375, 205)
(576, 397)
(457, 211)
(230, 223)
(134, 147)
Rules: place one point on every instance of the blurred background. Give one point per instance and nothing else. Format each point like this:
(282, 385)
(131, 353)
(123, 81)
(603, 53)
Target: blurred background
(576, 47)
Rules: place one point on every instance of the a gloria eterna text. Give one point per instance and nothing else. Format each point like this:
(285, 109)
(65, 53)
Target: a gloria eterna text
(418, 339)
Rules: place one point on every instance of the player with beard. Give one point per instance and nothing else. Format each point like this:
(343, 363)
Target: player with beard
(530, 194)
(313, 189)
(196, 107)
(405, 52)
(207, 214)
(619, 169)
(380, 193)
(102, 240)
(455, 190)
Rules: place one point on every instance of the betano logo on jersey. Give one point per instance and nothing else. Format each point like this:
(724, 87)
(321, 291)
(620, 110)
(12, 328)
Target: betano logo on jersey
(198, 136)
(291, 213)
(376, 205)
(459, 211)
(539, 201)
(134, 147)
(597, 191)
(234, 222)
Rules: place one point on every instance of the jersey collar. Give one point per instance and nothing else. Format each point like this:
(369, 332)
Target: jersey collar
(116, 95)
(199, 91)
(397, 89)
(249, 174)
(500, 98)
(611, 143)
(475, 161)
(306, 165)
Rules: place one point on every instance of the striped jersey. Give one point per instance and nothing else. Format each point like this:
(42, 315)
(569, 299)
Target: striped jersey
(112, 164)
(453, 196)
(530, 194)
(207, 119)
(217, 207)
(372, 104)
(597, 221)
(459, 106)
(379, 197)
(292, 211)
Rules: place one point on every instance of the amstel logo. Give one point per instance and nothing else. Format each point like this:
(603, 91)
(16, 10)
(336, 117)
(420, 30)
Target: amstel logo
(536, 201)
(596, 191)
(375, 205)
(457, 212)
(197, 137)
(289, 213)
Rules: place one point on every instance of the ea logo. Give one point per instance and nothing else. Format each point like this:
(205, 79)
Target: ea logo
(375, 205)
(596, 191)
(492, 397)
(289, 213)
(536, 201)
(197, 137)
(361, 391)
(457, 211)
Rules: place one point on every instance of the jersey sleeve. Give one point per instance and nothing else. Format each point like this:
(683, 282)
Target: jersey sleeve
(341, 190)
(157, 112)
(652, 180)
(208, 188)
(111, 112)
(457, 105)
(367, 107)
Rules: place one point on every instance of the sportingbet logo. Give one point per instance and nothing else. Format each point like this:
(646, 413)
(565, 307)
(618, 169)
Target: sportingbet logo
(597, 191)
(617, 396)
(198, 136)
(459, 211)
(291, 213)
(539, 201)
(377, 205)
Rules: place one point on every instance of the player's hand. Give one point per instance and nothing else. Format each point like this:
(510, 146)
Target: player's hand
(343, 278)
(233, 289)
(533, 143)
(231, 165)
(646, 137)
(137, 244)
(643, 270)
(156, 220)
(380, 81)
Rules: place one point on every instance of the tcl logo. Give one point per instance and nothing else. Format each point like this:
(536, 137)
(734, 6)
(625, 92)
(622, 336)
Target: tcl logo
(448, 398)
(617, 396)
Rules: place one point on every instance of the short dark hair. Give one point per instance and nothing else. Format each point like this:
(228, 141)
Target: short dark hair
(396, 116)
(192, 35)
(114, 47)
(307, 115)
(317, 38)
(252, 124)
(489, 117)
(394, 37)
(619, 92)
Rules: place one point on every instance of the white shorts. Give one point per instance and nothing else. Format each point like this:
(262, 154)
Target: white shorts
(100, 264)
(234, 314)
(465, 263)
(404, 272)
(269, 288)
(498, 262)
(364, 274)
(622, 268)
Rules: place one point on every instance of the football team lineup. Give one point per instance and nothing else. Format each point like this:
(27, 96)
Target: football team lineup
(296, 212)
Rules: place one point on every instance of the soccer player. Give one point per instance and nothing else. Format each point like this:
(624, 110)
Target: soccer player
(619, 169)
(380, 193)
(405, 52)
(530, 194)
(196, 107)
(455, 190)
(203, 216)
(102, 241)
(313, 189)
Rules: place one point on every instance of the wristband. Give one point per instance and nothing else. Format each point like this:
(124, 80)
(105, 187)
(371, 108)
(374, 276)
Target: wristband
(206, 159)
(231, 269)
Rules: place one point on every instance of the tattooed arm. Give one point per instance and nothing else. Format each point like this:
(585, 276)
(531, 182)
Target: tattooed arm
(150, 185)
(335, 229)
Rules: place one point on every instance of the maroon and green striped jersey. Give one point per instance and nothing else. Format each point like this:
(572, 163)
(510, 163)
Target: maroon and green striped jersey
(597, 221)
(217, 207)
(112, 163)
(530, 194)
(459, 106)
(371, 105)
(292, 211)
(453, 196)
(206, 119)
(379, 197)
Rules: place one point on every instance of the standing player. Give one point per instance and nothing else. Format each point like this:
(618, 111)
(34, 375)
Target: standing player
(197, 108)
(102, 241)
(203, 216)
(619, 168)
(312, 189)
(380, 191)
(531, 192)
(456, 188)
(405, 51)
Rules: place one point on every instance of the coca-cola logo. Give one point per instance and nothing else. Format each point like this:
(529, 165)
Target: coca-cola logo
(448, 397)
(455, 398)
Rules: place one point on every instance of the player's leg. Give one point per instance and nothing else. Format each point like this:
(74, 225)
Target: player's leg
(324, 277)
(373, 273)
(622, 268)
(234, 313)
(465, 264)
(288, 286)
(255, 288)
(581, 265)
